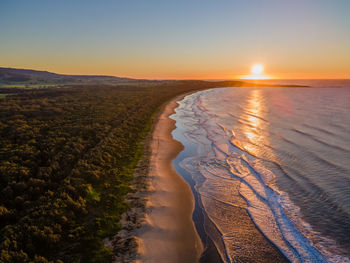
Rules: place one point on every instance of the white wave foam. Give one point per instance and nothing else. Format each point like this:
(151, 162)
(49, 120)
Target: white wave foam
(270, 209)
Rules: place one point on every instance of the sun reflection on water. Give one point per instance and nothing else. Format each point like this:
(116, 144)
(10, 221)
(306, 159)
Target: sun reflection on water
(254, 117)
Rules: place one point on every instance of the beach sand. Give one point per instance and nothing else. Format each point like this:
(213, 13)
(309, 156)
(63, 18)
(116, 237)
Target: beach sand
(168, 233)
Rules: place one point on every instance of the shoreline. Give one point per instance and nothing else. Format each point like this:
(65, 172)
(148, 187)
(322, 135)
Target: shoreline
(168, 233)
(159, 226)
(250, 245)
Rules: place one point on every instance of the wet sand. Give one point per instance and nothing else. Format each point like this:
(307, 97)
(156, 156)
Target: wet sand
(168, 233)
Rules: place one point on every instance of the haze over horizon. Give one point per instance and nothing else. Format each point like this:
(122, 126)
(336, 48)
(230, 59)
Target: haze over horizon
(178, 40)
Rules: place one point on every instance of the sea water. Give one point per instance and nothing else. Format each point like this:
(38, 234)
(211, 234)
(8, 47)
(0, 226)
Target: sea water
(281, 153)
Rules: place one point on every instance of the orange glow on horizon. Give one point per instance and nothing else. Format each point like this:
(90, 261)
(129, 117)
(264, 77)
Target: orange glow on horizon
(168, 74)
(255, 77)
(257, 73)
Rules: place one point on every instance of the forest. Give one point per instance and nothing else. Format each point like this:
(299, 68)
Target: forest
(67, 160)
(67, 157)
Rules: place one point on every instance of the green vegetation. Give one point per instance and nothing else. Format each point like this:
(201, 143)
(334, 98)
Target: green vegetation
(67, 158)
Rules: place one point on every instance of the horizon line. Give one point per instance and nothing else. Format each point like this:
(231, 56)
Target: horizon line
(236, 77)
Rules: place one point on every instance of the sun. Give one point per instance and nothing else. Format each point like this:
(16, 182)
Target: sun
(257, 69)
(256, 73)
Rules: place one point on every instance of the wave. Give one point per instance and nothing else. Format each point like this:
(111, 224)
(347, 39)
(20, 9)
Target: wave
(314, 138)
(327, 132)
(221, 159)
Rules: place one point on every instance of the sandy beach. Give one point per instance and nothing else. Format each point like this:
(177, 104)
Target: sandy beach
(168, 233)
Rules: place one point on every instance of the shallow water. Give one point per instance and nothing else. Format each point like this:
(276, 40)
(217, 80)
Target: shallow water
(283, 154)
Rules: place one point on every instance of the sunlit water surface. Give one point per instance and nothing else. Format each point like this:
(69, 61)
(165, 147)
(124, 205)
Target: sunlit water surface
(281, 153)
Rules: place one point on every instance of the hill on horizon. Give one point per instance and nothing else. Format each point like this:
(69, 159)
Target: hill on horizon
(29, 77)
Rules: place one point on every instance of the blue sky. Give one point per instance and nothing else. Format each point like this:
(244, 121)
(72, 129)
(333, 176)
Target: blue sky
(177, 39)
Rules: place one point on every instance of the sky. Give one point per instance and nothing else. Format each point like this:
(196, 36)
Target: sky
(182, 39)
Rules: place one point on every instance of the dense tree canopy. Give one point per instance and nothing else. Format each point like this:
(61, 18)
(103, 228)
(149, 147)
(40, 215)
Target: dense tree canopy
(67, 157)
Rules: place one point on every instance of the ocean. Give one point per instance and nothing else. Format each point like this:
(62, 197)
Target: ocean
(280, 153)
